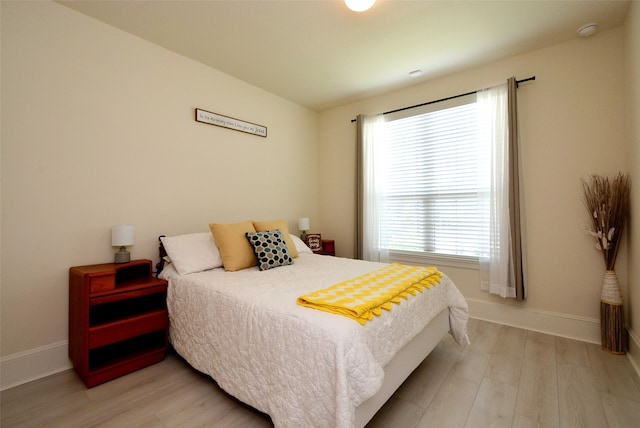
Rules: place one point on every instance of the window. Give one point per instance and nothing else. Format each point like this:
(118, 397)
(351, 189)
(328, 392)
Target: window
(442, 186)
(431, 182)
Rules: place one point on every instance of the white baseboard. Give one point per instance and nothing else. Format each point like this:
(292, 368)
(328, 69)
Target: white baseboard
(33, 364)
(37, 363)
(557, 324)
(634, 350)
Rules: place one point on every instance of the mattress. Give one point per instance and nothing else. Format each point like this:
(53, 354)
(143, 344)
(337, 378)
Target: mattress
(302, 366)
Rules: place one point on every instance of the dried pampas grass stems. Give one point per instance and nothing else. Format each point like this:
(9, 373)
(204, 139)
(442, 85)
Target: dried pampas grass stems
(607, 202)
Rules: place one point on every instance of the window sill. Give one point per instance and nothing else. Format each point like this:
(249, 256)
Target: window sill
(416, 258)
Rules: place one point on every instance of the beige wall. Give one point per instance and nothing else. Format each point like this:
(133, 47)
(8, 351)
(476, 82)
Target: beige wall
(98, 129)
(572, 125)
(632, 122)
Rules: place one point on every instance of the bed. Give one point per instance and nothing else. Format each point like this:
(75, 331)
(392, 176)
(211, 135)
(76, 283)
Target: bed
(301, 366)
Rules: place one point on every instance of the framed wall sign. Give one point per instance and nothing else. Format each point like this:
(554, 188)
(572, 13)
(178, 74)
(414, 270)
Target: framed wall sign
(314, 241)
(230, 123)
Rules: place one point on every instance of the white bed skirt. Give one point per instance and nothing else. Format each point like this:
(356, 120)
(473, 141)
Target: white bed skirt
(403, 364)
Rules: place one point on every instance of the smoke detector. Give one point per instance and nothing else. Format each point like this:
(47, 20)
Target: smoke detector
(588, 29)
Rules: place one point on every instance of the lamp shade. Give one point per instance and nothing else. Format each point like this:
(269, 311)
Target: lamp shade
(122, 235)
(303, 223)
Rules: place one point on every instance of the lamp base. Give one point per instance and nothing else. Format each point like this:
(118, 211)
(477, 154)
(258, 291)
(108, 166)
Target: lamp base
(303, 236)
(123, 256)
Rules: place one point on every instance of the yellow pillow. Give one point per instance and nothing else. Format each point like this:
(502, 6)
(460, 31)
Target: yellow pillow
(265, 226)
(235, 249)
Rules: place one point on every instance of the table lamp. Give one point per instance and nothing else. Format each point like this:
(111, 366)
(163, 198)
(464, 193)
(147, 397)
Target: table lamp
(121, 236)
(303, 226)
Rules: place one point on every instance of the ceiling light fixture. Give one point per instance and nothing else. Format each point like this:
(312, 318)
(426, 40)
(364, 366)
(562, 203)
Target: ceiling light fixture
(588, 29)
(359, 5)
(415, 73)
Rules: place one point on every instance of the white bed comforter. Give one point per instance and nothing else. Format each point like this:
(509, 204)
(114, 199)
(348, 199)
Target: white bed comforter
(301, 366)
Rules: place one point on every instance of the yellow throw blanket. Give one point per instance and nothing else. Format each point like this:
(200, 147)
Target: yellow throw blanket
(365, 296)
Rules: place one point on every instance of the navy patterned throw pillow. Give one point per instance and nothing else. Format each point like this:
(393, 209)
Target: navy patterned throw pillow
(270, 248)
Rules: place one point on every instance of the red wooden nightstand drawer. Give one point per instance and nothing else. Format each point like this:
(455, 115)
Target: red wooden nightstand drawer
(124, 329)
(101, 283)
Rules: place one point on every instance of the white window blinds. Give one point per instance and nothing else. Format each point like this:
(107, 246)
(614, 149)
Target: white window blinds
(431, 180)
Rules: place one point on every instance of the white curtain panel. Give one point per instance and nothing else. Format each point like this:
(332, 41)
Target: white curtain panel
(496, 272)
(373, 173)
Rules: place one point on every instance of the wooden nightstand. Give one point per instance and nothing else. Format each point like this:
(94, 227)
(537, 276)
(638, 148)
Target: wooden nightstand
(118, 320)
(328, 247)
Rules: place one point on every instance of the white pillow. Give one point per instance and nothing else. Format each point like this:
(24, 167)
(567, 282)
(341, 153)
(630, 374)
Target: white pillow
(300, 245)
(193, 252)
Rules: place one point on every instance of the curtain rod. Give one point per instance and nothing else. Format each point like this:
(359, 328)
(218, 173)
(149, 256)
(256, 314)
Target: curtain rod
(447, 99)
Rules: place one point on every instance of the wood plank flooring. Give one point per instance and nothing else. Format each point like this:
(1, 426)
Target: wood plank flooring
(508, 377)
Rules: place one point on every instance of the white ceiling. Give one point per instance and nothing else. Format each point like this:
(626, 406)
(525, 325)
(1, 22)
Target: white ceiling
(319, 54)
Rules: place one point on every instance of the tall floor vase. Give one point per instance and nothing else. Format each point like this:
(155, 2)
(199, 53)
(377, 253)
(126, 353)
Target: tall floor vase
(614, 337)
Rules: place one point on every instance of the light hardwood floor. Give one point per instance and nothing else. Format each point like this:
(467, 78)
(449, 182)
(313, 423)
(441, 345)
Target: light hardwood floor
(508, 377)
